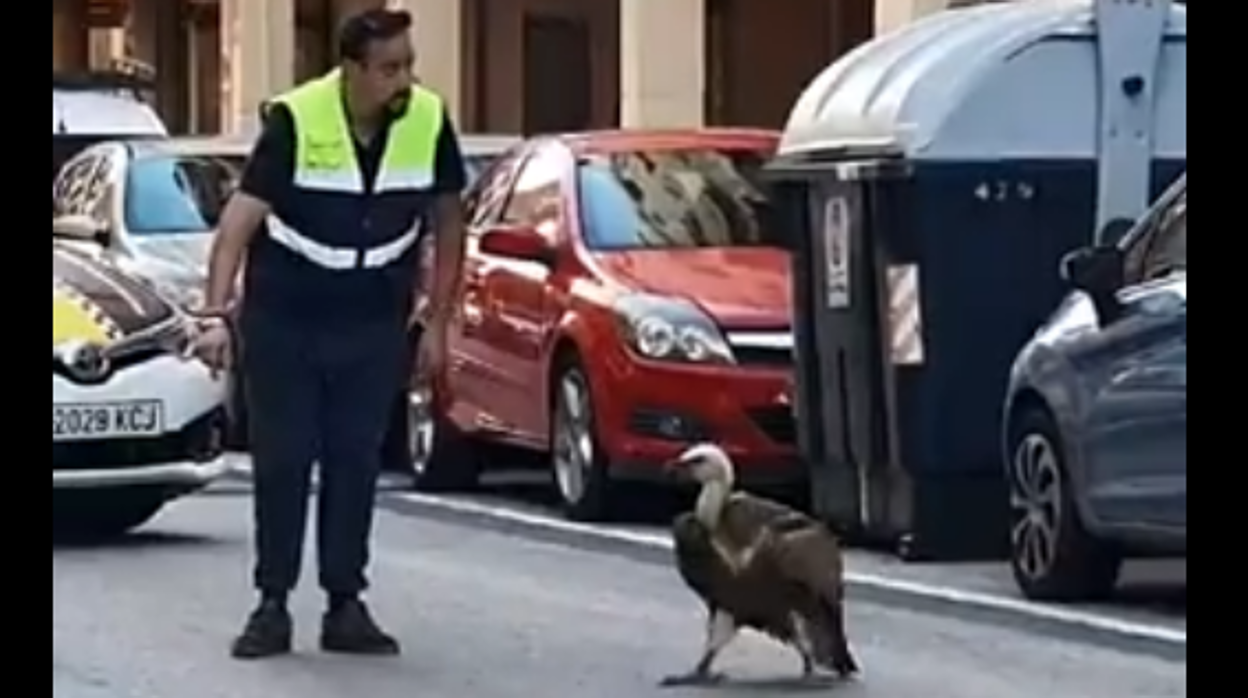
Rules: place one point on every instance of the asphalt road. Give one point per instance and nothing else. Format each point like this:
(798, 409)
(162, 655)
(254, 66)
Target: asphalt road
(488, 614)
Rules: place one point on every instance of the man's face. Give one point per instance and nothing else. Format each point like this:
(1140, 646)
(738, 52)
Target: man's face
(384, 78)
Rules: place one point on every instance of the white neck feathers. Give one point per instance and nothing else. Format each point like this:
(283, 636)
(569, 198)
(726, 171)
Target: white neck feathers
(711, 503)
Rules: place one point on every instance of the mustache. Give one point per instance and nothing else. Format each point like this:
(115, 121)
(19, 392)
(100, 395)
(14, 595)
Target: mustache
(399, 100)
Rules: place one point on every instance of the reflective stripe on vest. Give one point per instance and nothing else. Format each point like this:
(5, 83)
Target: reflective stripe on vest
(325, 158)
(340, 258)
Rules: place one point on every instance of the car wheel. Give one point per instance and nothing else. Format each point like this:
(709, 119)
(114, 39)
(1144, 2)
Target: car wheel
(443, 460)
(101, 516)
(580, 468)
(1053, 555)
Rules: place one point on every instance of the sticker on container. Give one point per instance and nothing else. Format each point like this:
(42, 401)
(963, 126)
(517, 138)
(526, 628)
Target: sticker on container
(836, 251)
(905, 315)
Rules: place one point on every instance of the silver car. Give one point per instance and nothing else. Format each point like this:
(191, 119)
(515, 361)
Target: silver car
(1096, 415)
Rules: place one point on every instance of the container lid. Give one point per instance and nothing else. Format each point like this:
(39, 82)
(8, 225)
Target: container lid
(1000, 81)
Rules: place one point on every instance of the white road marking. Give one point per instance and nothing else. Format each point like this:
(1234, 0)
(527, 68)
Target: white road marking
(1085, 619)
(936, 592)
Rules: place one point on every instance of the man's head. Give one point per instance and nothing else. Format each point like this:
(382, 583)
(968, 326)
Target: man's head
(377, 57)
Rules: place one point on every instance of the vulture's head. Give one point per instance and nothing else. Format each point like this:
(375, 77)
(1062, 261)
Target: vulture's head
(704, 463)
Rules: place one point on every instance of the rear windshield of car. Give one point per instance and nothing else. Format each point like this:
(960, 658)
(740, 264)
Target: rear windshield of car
(170, 195)
(675, 199)
(475, 165)
(64, 148)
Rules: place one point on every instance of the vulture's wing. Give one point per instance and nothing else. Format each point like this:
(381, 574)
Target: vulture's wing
(746, 515)
(807, 553)
(697, 561)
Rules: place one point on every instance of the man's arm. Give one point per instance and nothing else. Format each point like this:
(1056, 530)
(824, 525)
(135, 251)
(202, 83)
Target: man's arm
(269, 171)
(450, 179)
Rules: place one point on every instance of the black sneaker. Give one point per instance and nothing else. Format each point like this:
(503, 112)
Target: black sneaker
(350, 629)
(267, 634)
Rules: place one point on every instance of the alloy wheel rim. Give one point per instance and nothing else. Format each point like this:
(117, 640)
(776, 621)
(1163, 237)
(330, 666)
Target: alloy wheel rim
(574, 450)
(421, 428)
(1036, 501)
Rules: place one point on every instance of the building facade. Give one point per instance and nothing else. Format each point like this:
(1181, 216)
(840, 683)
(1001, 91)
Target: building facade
(504, 66)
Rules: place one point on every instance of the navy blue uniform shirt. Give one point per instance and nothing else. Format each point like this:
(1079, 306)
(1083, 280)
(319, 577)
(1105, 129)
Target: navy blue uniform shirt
(269, 176)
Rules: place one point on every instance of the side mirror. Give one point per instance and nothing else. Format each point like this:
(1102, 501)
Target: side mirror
(82, 228)
(517, 242)
(1099, 272)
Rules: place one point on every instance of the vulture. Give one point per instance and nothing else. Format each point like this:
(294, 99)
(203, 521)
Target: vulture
(760, 565)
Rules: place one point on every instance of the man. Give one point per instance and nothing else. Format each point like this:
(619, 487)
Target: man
(326, 219)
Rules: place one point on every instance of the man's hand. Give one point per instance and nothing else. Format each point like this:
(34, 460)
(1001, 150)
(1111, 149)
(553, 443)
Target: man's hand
(213, 344)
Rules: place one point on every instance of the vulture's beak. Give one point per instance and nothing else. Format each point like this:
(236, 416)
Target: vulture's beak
(676, 469)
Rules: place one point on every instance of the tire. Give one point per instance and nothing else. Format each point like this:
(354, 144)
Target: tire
(100, 516)
(1052, 554)
(443, 460)
(579, 467)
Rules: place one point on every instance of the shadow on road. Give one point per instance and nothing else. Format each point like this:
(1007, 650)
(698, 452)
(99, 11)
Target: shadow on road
(1167, 597)
(140, 540)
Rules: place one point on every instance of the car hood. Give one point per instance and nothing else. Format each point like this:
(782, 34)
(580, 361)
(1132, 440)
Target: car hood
(94, 301)
(738, 288)
(188, 253)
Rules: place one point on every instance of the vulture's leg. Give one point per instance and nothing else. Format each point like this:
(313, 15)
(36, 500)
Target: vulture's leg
(721, 628)
(804, 643)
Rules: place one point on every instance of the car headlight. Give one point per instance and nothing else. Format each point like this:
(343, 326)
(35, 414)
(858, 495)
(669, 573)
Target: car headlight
(666, 329)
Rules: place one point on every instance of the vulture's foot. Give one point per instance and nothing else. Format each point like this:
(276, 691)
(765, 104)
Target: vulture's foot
(693, 678)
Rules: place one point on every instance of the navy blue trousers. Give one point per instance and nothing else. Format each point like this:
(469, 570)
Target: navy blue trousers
(318, 395)
(396, 451)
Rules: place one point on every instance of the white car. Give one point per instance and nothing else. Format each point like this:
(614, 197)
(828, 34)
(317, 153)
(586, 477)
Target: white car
(135, 423)
(154, 205)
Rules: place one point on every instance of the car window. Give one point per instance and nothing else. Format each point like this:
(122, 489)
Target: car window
(489, 194)
(535, 200)
(675, 199)
(81, 186)
(1162, 245)
(1167, 250)
(169, 195)
(477, 164)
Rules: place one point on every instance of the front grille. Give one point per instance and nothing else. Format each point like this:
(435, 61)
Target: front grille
(759, 356)
(778, 423)
(127, 361)
(767, 349)
(668, 426)
(198, 441)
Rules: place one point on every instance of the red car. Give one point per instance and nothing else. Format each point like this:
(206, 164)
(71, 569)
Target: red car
(623, 298)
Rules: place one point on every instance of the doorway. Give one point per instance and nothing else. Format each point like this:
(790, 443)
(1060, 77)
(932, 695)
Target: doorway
(760, 56)
(558, 85)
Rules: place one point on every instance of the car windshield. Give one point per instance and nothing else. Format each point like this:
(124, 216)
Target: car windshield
(170, 195)
(674, 199)
(64, 148)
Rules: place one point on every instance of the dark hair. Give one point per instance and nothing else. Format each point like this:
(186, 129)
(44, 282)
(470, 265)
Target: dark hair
(360, 30)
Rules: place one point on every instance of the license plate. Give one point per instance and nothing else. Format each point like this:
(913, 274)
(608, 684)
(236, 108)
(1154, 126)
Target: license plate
(101, 421)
